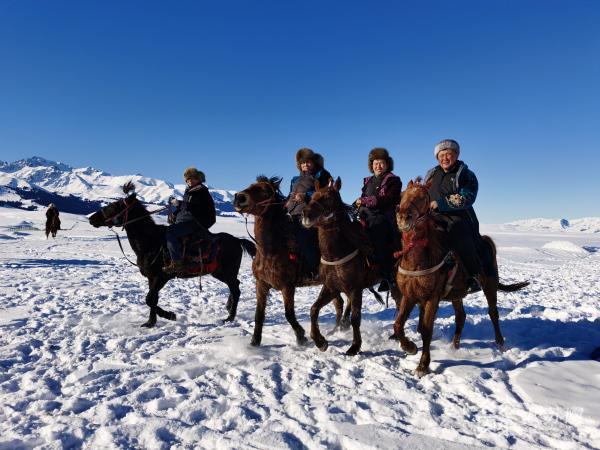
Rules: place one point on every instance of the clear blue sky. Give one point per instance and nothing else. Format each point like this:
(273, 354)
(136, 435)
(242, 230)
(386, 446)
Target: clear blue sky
(236, 87)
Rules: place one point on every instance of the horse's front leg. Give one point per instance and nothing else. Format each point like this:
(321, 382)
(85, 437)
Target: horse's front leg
(356, 301)
(406, 306)
(325, 296)
(262, 291)
(290, 314)
(155, 285)
(428, 311)
(232, 301)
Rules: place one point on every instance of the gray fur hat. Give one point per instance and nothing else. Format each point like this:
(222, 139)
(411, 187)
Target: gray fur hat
(446, 144)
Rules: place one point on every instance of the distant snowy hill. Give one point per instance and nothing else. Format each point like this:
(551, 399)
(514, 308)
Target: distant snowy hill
(583, 225)
(37, 181)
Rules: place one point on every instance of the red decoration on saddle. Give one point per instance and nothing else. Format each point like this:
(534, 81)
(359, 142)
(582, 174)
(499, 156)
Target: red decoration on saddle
(293, 256)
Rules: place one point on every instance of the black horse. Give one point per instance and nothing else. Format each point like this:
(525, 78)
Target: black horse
(148, 241)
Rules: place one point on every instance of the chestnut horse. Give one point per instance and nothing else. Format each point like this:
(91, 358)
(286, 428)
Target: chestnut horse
(273, 267)
(148, 241)
(344, 265)
(424, 278)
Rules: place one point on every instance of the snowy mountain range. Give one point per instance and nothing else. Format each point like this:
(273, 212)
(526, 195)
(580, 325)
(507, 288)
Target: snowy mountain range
(34, 182)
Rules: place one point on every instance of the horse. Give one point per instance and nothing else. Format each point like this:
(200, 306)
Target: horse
(52, 225)
(424, 276)
(148, 241)
(275, 266)
(344, 265)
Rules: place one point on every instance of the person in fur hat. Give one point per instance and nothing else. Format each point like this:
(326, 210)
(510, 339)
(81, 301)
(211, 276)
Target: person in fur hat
(453, 191)
(195, 213)
(311, 168)
(52, 217)
(376, 209)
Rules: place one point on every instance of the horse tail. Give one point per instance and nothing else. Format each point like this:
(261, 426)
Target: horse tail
(248, 246)
(512, 287)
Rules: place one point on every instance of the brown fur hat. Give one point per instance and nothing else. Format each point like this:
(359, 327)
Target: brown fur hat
(306, 153)
(380, 153)
(192, 172)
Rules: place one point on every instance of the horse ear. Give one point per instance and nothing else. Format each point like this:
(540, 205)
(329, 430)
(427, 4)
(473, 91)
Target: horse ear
(338, 184)
(276, 182)
(317, 185)
(429, 183)
(128, 187)
(410, 184)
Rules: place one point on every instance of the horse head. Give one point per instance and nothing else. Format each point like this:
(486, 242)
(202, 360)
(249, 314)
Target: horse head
(115, 213)
(324, 205)
(414, 205)
(257, 197)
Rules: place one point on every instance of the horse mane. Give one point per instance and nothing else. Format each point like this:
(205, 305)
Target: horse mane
(275, 183)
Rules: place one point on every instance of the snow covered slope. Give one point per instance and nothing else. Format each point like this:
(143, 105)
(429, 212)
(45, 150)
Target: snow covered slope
(77, 371)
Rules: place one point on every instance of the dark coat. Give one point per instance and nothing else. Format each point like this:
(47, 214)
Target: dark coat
(51, 212)
(385, 200)
(455, 192)
(305, 184)
(197, 205)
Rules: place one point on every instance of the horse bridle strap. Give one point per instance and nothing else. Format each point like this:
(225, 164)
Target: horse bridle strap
(339, 262)
(422, 273)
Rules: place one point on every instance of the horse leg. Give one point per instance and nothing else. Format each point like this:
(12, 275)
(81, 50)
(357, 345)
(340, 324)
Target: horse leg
(346, 318)
(397, 296)
(428, 312)
(459, 320)
(338, 304)
(155, 285)
(406, 306)
(325, 296)
(356, 301)
(290, 314)
(490, 289)
(234, 293)
(262, 290)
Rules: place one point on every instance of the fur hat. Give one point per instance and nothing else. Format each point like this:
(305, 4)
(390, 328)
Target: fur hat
(192, 172)
(446, 144)
(51, 205)
(305, 154)
(380, 153)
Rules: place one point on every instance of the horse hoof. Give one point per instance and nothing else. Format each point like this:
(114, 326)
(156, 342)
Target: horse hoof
(353, 350)
(302, 341)
(149, 324)
(171, 316)
(323, 346)
(394, 337)
(345, 325)
(227, 319)
(255, 342)
(455, 344)
(420, 372)
(410, 348)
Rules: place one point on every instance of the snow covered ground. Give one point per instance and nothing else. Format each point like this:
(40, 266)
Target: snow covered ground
(77, 371)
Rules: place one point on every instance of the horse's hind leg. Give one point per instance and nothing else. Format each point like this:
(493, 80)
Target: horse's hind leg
(234, 294)
(290, 314)
(338, 304)
(459, 320)
(490, 289)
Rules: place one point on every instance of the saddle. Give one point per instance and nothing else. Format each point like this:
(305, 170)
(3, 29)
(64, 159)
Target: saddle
(199, 255)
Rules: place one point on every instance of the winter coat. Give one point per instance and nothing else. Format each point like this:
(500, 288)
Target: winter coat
(455, 192)
(198, 206)
(305, 184)
(383, 200)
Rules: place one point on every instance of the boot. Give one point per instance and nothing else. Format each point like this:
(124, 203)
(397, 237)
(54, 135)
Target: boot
(174, 267)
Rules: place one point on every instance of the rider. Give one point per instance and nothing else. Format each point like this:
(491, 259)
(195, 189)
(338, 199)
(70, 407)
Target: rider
(195, 213)
(453, 191)
(302, 187)
(51, 213)
(376, 209)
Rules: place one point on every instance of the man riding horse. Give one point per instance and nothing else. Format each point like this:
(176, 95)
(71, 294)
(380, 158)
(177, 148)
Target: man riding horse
(302, 187)
(52, 220)
(376, 209)
(194, 214)
(453, 191)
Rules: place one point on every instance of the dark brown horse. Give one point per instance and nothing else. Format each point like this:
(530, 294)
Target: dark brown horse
(344, 266)
(424, 276)
(52, 225)
(148, 241)
(274, 267)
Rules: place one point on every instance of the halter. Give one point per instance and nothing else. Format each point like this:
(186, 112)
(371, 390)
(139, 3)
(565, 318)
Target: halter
(110, 221)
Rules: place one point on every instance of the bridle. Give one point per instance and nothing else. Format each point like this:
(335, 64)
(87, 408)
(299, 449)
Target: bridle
(110, 220)
(409, 239)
